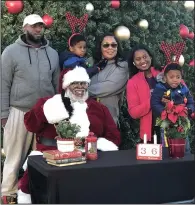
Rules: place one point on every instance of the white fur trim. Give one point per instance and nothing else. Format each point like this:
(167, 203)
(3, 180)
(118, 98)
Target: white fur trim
(33, 153)
(54, 109)
(105, 145)
(78, 74)
(80, 118)
(24, 198)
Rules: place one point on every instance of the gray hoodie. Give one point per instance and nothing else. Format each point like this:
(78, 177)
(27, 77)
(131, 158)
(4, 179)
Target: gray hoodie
(28, 74)
(108, 85)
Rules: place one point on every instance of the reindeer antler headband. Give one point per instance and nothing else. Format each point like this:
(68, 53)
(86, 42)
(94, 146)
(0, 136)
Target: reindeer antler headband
(175, 49)
(74, 21)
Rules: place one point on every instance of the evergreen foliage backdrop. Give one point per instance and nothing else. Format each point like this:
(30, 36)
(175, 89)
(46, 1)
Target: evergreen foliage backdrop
(164, 18)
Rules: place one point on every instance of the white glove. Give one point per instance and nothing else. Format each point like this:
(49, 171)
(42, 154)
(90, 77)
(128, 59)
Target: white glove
(105, 145)
(54, 110)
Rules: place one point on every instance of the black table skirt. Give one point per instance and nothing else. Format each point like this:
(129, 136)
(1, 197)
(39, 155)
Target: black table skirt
(115, 178)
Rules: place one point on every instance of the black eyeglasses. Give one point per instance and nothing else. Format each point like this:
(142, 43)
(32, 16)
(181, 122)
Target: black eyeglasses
(106, 45)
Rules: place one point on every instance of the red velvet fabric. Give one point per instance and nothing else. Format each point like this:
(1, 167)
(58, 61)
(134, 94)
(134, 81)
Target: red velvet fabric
(23, 183)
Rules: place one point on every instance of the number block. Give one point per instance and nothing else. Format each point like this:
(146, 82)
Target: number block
(149, 152)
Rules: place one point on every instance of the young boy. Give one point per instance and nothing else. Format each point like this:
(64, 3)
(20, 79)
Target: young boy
(76, 55)
(171, 88)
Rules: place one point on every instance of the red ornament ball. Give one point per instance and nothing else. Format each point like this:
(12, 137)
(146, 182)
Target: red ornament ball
(115, 4)
(184, 31)
(191, 35)
(191, 63)
(48, 20)
(14, 7)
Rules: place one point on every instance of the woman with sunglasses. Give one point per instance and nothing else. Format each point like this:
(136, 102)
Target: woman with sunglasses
(143, 72)
(108, 85)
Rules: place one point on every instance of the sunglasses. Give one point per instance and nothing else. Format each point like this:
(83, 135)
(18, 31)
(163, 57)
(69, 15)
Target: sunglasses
(113, 45)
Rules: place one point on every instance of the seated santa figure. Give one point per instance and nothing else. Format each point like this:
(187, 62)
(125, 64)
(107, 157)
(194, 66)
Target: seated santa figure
(74, 105)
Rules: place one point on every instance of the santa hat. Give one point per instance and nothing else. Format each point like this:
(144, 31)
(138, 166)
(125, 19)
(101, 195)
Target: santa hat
(78, 74)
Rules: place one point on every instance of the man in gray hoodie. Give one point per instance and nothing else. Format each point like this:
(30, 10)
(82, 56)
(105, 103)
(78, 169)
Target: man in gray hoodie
(30, 70)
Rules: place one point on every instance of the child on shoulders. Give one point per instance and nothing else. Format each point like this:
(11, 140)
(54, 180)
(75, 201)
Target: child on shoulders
(76, 55)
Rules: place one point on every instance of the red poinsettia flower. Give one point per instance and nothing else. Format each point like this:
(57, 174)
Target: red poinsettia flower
(171, 114)
(173, 117)
(180, 129)
(163, 115)
(170, 105)
(184, 113)
(181, 110)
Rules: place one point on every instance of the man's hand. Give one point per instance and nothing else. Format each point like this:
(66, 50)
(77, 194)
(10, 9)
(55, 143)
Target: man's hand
(3, 122)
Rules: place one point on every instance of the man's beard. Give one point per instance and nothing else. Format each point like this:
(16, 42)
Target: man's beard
(74, 98)
(33, 39)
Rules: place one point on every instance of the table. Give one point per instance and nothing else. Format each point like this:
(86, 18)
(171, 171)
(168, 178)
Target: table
(116, 177)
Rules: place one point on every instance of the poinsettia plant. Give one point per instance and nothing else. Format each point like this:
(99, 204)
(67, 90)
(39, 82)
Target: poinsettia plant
(174, 120)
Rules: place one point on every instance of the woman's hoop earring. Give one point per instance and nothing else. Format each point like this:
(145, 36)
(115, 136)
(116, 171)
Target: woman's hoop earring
(133, 63)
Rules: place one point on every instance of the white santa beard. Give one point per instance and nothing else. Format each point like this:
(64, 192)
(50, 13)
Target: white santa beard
(80, 118)
(79, 115)
(74, 98)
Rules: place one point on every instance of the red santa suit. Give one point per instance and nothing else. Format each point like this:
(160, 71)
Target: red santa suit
(91, 116)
